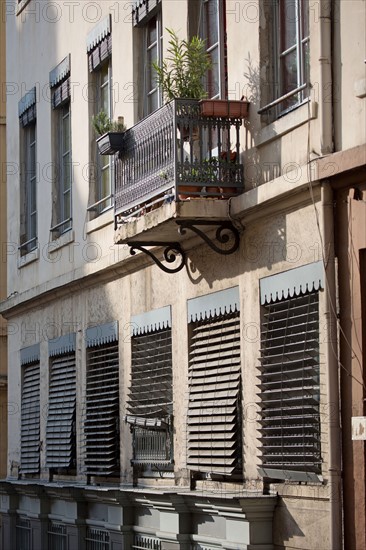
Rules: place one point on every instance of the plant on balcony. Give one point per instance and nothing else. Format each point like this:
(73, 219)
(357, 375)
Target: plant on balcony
(182, 72)
(110, 132)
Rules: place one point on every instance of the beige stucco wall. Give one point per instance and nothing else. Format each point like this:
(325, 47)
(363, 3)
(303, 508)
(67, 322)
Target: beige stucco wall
(350, 74)
(277, 236)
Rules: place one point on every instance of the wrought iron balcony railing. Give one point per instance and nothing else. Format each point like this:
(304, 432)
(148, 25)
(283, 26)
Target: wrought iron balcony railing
(174, 154)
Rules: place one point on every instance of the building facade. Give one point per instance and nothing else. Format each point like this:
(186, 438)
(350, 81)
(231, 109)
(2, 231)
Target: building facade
(4, 252)
(173, 303)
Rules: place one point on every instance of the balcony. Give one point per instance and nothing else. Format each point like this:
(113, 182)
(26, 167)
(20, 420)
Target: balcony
(177, 165)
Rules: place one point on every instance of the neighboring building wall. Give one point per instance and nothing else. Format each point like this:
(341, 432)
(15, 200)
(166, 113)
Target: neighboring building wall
(351, 245)
(4, 252)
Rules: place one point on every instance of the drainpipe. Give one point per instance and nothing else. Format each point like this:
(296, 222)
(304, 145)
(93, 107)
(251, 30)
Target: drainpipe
(325, 84)
(332, 375)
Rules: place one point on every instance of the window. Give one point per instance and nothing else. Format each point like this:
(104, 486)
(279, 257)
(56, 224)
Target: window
(61, 420)
(30, 411)
(214, 406)
(152, 53)
(62, 193)
(101, 427)
(291, 55)
(150, 400)
(147, 16)
(290, 380)
(28, 190)
(97, 539)
(57, 536)
(207, 19)
(99, 47)
(23, 534)
(140, 542)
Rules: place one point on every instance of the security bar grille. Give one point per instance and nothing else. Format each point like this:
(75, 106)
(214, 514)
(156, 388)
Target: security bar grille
(289, 386)
(30, 420)
(60, 434)
(214, 396)
(142, 541)
(101, 426)
(150, 401)
(97, 539)
(23, 534)
(57, 536)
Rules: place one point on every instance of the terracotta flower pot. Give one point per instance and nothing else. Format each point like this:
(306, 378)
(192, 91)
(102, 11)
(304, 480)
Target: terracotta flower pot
(224, 108)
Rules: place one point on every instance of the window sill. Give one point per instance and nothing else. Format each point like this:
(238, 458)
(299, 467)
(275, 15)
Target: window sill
(287, 123)
(101, 221)
(63, 240)
(29, 258)
(21, 5)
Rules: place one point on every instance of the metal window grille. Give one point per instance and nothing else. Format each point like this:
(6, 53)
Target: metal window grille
(23, 534)
(30, 419)
(57, 536)
(141, 542)
(97, 539)
(214, 439)
(60, 433)
(150, 400)
(101, 426)
(289, 386)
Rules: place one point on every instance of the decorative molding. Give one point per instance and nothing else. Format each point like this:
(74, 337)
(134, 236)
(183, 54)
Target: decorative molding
(101, 334)
(156, 319)
(31, 354)
(294, 282)
(214, 304)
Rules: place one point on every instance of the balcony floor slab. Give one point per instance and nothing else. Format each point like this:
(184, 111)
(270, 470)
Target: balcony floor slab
(161, 224)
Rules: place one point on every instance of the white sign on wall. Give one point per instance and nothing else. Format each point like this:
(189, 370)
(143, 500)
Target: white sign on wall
(358, 427)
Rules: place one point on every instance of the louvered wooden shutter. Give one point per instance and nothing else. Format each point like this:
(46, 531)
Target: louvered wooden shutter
(214, 396)
(102, 410)
(30, 420)
(290, 386)
(100, 53)
(60, 434)
(151, 392)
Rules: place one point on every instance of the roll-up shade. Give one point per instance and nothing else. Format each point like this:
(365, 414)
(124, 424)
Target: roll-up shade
(290, 389)
(29, 354)
(102, 334)
(214, 395)
(216, 303)
(291, 283)
(30, 417)
(101, 426)
(60, 432)
(99, 43)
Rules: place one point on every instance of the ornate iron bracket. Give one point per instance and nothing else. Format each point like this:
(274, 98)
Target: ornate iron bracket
(224, 233)
(171, 252)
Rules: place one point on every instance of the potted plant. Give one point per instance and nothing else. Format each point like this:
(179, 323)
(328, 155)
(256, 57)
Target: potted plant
(182, 72)
(110, 132)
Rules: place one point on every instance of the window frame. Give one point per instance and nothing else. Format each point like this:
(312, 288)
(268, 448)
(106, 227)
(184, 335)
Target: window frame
(277, 106)
(149, 88)
(102, 163)
(219, 45)
(63, 223)
(29, 232)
